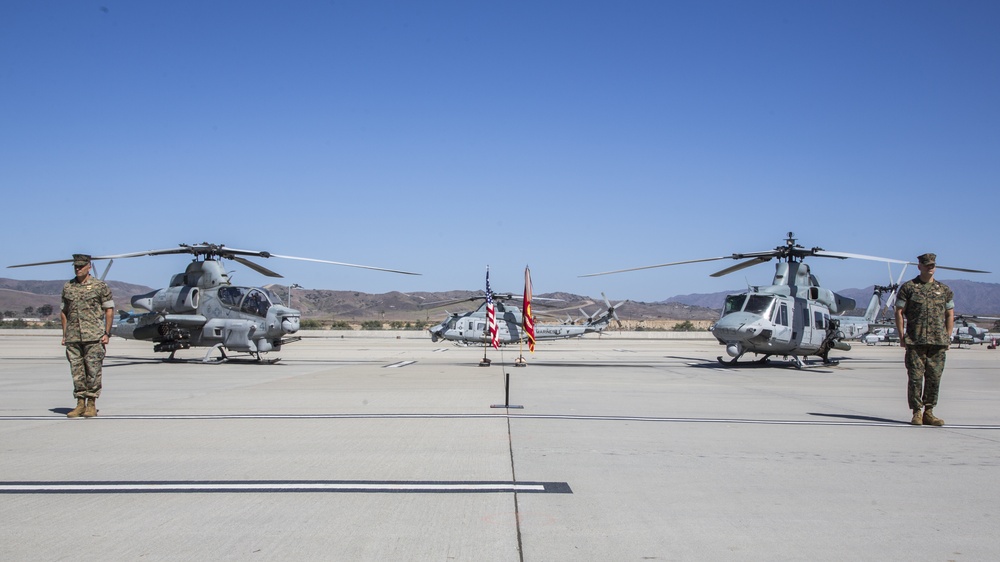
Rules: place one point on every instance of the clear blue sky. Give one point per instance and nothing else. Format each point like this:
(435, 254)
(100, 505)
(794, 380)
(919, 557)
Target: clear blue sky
(442, 137)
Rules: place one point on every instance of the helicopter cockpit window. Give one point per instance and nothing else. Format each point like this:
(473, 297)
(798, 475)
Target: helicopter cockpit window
(231, 296)
(734, 303)
(759, 304)
(271, 296)
(781, 316)
(255, 303)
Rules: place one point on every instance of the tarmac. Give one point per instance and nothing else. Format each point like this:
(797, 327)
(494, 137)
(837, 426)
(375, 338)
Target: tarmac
(386, 446)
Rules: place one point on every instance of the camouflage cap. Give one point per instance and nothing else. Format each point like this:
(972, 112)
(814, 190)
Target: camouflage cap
(927, 259)
(81, 259)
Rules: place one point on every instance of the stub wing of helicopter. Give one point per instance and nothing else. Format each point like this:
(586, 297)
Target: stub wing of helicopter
(202, 308)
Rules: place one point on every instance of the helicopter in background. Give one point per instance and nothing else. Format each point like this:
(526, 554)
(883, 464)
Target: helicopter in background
(202, 308)
(794, 317)
(469, 328)
(968, 333)
(857, 327)
(883, 334)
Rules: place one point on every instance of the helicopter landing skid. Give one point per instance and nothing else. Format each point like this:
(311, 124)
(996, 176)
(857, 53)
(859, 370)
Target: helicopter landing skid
(255, 357)
(222, 355)
(795, 360)
(735, 360)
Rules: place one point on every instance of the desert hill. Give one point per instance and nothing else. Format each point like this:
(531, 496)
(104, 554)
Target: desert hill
(17, 296)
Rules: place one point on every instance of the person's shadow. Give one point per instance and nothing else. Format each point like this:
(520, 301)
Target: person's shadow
(859, 418)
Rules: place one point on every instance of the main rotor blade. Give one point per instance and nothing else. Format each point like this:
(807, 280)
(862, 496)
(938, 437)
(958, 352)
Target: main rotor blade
(742, 265)
(655, 266)
(256, 267)
(41, 263)
(447, 302)
(845, 255)
(345, 264)
(112, 257)
(954, 268)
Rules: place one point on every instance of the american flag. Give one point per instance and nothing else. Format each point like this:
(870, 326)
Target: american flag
(491, 314)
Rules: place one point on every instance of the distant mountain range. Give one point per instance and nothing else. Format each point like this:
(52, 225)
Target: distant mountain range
(972, 298)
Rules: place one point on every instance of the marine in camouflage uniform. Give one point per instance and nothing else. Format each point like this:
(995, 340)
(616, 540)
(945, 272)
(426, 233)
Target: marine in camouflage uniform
(86, 311)
(928, 308)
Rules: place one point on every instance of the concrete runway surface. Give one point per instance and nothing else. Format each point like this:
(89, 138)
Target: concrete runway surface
(369, 447)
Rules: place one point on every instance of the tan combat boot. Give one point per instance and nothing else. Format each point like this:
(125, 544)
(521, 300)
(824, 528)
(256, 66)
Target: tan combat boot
(918, 418)
(929, 418)
(81, 404)
(91, 410)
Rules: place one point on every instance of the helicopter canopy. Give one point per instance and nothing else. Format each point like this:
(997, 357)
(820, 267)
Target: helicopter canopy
(248, 300)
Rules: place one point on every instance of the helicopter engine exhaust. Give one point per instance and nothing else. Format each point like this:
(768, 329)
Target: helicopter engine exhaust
(174, 300)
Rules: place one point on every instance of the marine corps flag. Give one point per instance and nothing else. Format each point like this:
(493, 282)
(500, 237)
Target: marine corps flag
(527, 320)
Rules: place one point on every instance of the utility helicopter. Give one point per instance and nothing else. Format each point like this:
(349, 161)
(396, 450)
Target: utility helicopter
(792, 317)
(202, 308)
(469, 328)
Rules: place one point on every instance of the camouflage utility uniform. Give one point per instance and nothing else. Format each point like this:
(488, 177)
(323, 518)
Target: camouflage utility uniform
(84, 305)
(925, 307)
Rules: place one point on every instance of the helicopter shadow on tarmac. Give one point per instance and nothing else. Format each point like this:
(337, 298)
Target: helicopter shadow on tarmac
(603, 364)
(702, 363)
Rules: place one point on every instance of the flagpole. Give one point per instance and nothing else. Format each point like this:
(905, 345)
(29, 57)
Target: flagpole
(486, 344)
(521, 361)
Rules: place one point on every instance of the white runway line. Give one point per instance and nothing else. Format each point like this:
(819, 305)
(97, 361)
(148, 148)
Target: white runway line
(399, 364)
(280, 486)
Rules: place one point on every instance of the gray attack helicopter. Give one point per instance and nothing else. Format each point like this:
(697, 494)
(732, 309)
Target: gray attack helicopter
(202, 308)
(469, 328)
(793, 317)
(968, 333)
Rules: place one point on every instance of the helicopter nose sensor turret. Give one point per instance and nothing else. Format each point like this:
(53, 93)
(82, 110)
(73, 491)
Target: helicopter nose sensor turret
(290, 324)
(285, 320)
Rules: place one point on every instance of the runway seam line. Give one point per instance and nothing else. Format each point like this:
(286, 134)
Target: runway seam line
(580, 417)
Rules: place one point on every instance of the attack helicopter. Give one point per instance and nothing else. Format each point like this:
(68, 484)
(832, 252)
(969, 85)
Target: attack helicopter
(880, 335)
(968, 333)
(793, 317)
(202, 308)
(469, 328)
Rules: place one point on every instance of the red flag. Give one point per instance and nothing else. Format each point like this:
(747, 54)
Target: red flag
(526, 319)
(491, 314)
